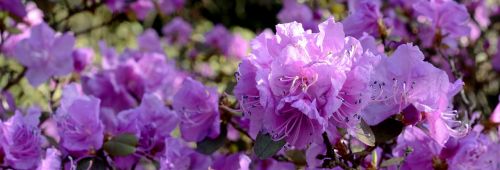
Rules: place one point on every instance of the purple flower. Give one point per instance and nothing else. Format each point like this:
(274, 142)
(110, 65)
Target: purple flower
(355, 93)
(482, 13)
(169, 6)
(116, 5)
(45, 54)
(405, 79)
(446, 20)
(9, 106)
(419, 148)
(226, 43)
(21, 140)
(51, 161)
(411, 115)
(495, 116)
(82, 57)
(104, 86)
(238, 47)
(177, 31)
(142, 8)
(364, 16)
(219, 37)
(495, 61)
(475, 151)
(295, 11)
(198, 108)
(179, 156)
(248, 96)
(14, 7)
(289, 85)
(271, 164)
(443, 123)
(237, 161)
(152, 121)
(78, 120)
(149, 41)
(34, 17)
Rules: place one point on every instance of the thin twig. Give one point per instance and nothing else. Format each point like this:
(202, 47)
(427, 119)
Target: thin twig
(16, 79)
(331, 155)
(239, 129)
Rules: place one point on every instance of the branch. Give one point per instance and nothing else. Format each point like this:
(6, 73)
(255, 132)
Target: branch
(331, 156)
(241, 130)
(16, 79)
(451, 61)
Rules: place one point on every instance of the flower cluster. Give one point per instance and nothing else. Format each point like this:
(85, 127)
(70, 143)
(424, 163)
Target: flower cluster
(298, 83)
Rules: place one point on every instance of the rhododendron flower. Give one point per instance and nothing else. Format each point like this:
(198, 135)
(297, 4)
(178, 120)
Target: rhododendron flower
(104, 86)
(292, 80)
(403, 79)
(21, 140)
(150, 42)
(179, 156)
(78, 121)
(219, 38)
(82, 57)
(125, 80)
(33, 18)
(13, 6)
(169, 6)
(116, 5)
(295, 11)
(142, 8)
(151, 121)
(444, 20)
(198, 108)
(364, 16)
(45, 54)
(420, 149)
(475, 151)
(355, 93)
(271, 164)
(234, 161)
(495, 116)
(177, 31)
(238, 47)
(52, 160)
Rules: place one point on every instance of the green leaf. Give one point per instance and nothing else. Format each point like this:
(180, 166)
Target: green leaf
(266, 147)
(93, 163)
(392, 161)
(126, 138)
(13, 30)
(208, 145)
(298, 157)
(387, 130)
(364, 133)
(121, 145)
(374, 159)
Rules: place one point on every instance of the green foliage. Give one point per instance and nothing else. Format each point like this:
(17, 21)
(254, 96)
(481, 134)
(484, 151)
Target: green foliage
(266, 147)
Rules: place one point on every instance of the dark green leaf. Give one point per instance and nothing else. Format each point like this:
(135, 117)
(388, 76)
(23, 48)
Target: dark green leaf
(121, 145)
(13, 30)
(364, 133)
(126, 138)
(297, 156)
(392, 161)
(91, 163)
(118, 149)
(387, 130)
(266, 147)
(208, 145)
